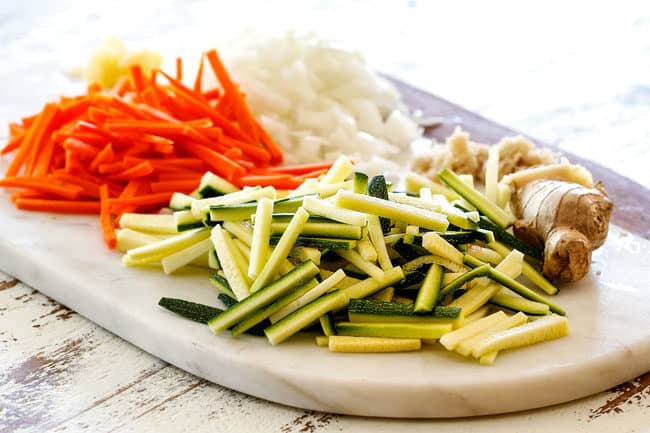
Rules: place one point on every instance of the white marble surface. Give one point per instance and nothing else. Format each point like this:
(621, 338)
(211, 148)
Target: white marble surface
(609, 342)
(574, 74)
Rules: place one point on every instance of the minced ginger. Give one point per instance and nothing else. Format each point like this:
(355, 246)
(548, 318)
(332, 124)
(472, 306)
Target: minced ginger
(464, 156)
(555, 203)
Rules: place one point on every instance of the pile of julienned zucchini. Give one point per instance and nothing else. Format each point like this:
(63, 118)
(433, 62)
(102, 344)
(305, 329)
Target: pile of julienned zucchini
(376, 270)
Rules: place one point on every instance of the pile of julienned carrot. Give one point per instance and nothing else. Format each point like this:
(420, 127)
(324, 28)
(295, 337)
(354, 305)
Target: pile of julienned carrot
(129, 149)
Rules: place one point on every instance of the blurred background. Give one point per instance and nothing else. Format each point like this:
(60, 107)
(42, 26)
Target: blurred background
(576, 74)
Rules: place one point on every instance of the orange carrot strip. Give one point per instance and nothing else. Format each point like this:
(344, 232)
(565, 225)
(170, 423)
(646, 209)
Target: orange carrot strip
(175, 185)
(58, 206)
(198, 81)
(301, 168)
(164, 148)
(111, 167)
(149, 97)
(73, 163)
(88, 138)
(200, 105)
(105, 218)
(168, 176)
(133, 188)
(169, 164)
(213, 133)
(90, 187)
(314, 174)
(246, 164)
(28, 151)
(85, 151)
(15, 129)
(281, 181)
(122, 86)
(137, 78)
(156, 128)
(212, 94)
(28, 121)
(244, 116)
(45, 158)
(276, 153)
(99, 115)
(27, 193)
(13, 144)
(104, 156)
(43, 184)
(255, 152)
(137, 148)
(140, 170)
(179, 69)
(221, 164)
(93, 88)
(274, 150)
(234, 152)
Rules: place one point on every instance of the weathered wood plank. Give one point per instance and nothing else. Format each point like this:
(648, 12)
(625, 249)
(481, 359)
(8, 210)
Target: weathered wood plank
(56, 364)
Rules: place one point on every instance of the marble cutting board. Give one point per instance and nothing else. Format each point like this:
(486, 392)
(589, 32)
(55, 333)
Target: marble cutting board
(609, 311)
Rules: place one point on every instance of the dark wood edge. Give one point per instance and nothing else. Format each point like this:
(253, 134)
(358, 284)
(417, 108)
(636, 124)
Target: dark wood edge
(631, 199)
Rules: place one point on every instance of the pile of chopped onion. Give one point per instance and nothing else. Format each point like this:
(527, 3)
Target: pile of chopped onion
(318, 102)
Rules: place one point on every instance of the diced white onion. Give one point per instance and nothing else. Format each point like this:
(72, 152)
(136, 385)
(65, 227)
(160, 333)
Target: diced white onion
(318, 102)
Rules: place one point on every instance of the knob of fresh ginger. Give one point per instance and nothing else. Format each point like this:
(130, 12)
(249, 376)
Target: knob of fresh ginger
(567, 219)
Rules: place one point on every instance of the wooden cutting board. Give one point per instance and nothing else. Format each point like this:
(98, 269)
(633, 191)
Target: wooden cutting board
(609, 311)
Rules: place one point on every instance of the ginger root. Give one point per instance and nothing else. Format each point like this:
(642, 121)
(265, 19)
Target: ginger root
(567, 219)
(465, 156)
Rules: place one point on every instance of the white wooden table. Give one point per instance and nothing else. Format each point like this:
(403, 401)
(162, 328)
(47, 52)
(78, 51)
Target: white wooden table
(575, 78)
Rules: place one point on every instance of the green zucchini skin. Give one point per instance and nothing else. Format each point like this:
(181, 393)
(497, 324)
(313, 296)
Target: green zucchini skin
(504, 236)
(327, 324)
(321, 243)
(208, 192)
(190, 310)
(227, 300)
(377, 187)
(263, 297)
(412, 280)
(450, 288)
(382, 308)
(515, 303)
(222, 285)
(410, 251)
(360, 183)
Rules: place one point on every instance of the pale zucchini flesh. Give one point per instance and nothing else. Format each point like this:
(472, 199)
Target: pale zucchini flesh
(476, 199)
(184, 257)
(428, 294)
(263, 297)
(393, 330)
(451, 340)
(297, 320)
(546, 328)
(377, 238)
(148, 223)
(367, 267)
(228, 260)
(264, 313)
(281, 250)
(261, 237)
(347, 344)
(466, 346)
(376, 206)
(345, 216)
(157, 251)
(328, 284)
